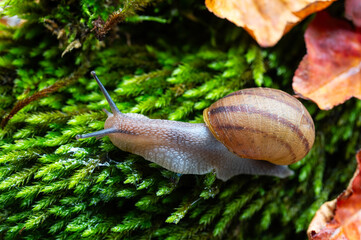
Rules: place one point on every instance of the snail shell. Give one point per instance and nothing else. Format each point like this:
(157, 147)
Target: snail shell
(262, 124)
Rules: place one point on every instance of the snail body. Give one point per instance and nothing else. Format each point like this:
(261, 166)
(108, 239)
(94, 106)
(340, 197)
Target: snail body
(190, 148)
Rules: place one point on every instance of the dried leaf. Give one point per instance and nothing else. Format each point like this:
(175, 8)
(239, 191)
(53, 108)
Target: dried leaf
(322, 216)
(10, 21)
(329, 73)
(266, 21)
(353, 11)
(343, 219)
(74, 44)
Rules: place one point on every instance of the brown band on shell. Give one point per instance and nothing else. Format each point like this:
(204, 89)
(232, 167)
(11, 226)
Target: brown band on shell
(248, 129)
(252, 110)
(270, 96)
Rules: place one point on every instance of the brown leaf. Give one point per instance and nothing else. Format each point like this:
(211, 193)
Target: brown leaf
(353, 11)
(340, 219)
(266, 20)
(330, 72)
(10, 21)
(322, 216)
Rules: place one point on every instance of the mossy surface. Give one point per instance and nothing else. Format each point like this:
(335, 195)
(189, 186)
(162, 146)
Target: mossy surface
(165, 59)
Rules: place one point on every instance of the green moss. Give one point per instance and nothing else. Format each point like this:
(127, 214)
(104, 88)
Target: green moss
(166, 60)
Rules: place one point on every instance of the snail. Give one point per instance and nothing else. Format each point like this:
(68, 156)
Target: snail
(252, 131)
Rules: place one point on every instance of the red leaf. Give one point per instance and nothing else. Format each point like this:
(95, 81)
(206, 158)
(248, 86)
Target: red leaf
(330, 72)
(353, 11)
(346, 213)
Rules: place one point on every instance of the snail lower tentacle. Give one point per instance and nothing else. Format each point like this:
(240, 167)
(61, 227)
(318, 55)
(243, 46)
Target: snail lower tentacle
(101, 133)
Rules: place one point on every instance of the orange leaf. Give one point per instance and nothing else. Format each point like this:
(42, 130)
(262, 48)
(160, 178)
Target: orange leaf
(330, 72)
(340, 221)
(266, 20)
(353, 11)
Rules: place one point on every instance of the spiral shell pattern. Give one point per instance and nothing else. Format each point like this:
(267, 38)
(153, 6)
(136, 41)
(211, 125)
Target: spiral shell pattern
(262, 124)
